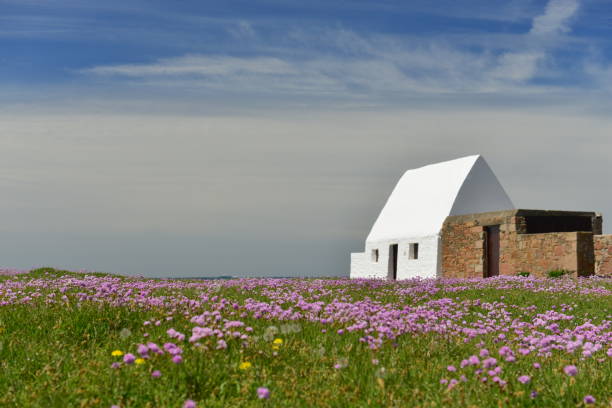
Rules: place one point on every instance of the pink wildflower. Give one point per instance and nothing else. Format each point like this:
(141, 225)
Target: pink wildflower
(263, 393)
(524, 379)
(129, 358)
(570, 370)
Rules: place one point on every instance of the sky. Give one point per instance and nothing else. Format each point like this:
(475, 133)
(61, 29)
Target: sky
(262, 137)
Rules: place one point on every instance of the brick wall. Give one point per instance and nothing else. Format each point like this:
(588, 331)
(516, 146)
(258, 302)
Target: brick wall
(463, 247)
(603, 254)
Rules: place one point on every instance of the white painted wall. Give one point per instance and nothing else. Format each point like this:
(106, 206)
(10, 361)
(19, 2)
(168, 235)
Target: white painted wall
(426, 266)
(416, 210)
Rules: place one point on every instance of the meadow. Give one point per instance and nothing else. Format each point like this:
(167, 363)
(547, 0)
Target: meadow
(72, 339)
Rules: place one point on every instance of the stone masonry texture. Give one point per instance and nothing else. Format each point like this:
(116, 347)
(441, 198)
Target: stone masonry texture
(603, 254)
(464, 246)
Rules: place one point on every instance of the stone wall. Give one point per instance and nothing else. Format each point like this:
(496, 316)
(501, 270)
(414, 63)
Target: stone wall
(463, 242)
(463, 247)
(603, 254)
(539, 253)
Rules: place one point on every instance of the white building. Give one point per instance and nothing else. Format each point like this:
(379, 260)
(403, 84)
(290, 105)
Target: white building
(405, 239)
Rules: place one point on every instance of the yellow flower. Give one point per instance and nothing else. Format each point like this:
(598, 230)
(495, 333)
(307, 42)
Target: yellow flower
(140, 361)
(278, 342)
(245, 365)
(275, 347)
(117, 353)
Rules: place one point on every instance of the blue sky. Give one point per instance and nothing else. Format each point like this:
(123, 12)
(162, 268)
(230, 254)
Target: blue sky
(192, 138)
(388, 53)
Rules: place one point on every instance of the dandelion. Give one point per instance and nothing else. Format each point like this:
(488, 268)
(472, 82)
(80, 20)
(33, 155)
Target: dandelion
(125, 333)
(245, 365)
(524, 379)
(263, 393)
(589, 399)
(156, 374)
(139, 361)
(129, 358)
(189, 404)
(278, 341)
(570, 370)
(117, 353)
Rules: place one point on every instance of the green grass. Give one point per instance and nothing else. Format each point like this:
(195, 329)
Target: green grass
(60, 356)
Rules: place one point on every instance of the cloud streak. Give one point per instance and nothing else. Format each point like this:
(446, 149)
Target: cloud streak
(358, 65)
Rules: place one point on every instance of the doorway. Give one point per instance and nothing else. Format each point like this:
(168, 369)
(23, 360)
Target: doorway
(491, 264)
(392, 273)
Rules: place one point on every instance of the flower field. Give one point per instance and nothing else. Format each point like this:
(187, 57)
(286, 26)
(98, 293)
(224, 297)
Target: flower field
(87, 340)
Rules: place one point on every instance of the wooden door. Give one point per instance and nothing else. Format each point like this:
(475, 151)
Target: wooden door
(492, 251)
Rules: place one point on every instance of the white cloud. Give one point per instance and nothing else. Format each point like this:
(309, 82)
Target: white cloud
(555, 18)
(344, 65)
(200, 65)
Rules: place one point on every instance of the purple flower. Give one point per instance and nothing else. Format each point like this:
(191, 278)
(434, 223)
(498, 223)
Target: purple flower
(451, 368)
(489, 362)
(189, 404)
(115, 365)
(177, 359)
(156, 374)
(589, 399)
(536, 365)
(143, 350)
(129, 358)
(570, 370)
(263, 393)
(533, 394)
(524, 379)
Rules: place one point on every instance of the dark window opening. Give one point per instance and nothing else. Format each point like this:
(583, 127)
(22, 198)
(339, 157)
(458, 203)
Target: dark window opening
(539, 224)
(375, 255)
(413, 251)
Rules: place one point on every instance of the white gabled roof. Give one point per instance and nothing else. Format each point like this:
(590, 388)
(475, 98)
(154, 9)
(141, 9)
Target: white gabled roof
(424, 197)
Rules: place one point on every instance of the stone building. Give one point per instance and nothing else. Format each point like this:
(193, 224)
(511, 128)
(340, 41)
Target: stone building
(454, 219)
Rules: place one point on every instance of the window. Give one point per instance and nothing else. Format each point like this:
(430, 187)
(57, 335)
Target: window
(375, 255)
(413, 251)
